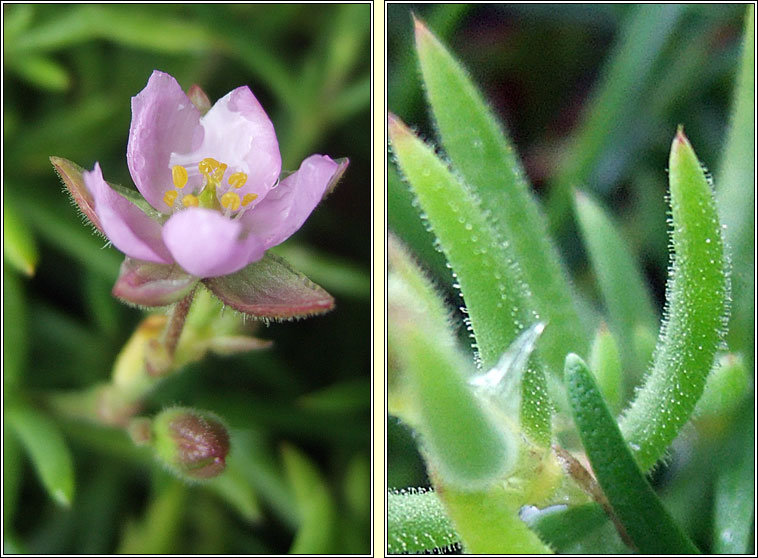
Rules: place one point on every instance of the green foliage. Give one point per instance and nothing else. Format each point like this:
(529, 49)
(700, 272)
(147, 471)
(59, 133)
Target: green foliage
(468, 199)
(70, 71)
(634, 502)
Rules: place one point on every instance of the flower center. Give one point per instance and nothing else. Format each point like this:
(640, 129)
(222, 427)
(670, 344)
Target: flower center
(212, 172)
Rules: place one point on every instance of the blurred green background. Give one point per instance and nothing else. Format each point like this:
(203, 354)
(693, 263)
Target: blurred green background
(300, 410)
(591, 96)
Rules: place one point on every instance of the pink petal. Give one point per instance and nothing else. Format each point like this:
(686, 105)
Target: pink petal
(164, 121)
(237, 132)
(286, 207)
(125, 225)
(207, 244)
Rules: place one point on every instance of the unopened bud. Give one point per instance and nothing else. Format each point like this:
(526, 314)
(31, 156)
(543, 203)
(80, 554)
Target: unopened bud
(192, 443)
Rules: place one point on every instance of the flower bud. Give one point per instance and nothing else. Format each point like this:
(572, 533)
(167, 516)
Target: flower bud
(192, 443)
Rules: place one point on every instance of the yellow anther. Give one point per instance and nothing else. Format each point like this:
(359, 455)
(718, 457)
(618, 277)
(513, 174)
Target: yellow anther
(208, 166)
(190, 200)
(212, 169)
(238, 179)
(170, 197)
(249, 198)
(179, 175)
(230, 200)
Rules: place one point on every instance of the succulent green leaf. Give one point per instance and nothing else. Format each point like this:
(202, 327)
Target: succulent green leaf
(19, 246)
(45, 446)
(562, 526)
(606, 365)
(42, 72)
(498, 302)
(634, 501)
(620, 278)
(271, 290)
(315, 506)
(488, 522)
(696, 311)
(480, 150)
(734, 491)
(735, 181)
(612, 105)
(416, 522)
(429, 391)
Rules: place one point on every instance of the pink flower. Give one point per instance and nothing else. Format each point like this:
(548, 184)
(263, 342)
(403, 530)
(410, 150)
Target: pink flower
(212, 180)
(213, 198)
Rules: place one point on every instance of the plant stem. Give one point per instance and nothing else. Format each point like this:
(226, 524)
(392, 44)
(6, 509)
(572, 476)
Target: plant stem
(176, 323)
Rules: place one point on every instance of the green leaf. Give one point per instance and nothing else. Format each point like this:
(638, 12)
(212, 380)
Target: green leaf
(696, 294)
(42, 72)
(613, 103)
(627, 299)
(315, 533)
(488, 522)
(235, 488)
(15, 338)
(416, 522)
(404, 220)
(19, 246)
(480, 150)
(47, 450)
(606, 365)
(157, 531)
(734, 492)
(561, 527)
(497, 299)
(12, 476)
(462, 442)
(736, 195)
(271, 290)
(634, 502)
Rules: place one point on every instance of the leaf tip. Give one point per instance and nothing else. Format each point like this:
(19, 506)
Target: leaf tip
(396, 128)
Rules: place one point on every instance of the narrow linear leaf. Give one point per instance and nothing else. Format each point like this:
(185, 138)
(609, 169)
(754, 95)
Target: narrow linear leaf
(235, 488)
(734, 492)
(461, 440)
(612, 105)
(416, 522)
(696, 312)
(627, 299)
(606, 366)
(480, 149)
(19, 246)
(561, 526)
(157, 531)
(315, 506)
(736, 194)
(497, 299)
(404, 220)
(498, 302)
(45, 446)
(634, 501)
(42, 72)
(271, 289)
(488, 522)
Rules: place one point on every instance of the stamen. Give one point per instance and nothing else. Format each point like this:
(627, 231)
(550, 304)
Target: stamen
(170, 197)
(208, 166)
(238, 179)
(249, 198)
(231, 200)
(190, 200)
(179, 175)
